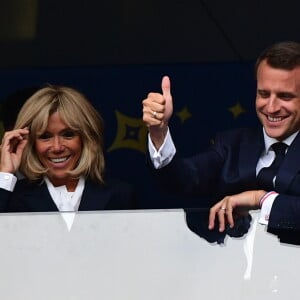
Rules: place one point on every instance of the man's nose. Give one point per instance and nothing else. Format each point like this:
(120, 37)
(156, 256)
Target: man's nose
(273, 104)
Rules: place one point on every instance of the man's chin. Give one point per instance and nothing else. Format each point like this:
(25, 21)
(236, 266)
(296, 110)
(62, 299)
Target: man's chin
(275, 133)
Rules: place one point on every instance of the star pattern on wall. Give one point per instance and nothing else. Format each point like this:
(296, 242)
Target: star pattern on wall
(131, 133)
(184, 114)
(236, 110)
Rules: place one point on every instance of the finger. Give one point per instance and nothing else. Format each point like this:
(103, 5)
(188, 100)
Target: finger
(156, 115)
(154, 103)
(212, 217)
(21, 146)
(15, 134)
(166, 87)
(229, 216)
(151, 117)
(222, 218)
(14, 142)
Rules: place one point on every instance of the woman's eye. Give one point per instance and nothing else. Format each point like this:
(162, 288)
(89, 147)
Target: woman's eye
(44, 136)
(69, 134)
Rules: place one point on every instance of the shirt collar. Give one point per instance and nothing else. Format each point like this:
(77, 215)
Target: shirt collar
(270, 141)
(60, 194)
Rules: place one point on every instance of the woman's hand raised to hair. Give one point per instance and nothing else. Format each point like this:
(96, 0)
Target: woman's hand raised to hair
(12, 146)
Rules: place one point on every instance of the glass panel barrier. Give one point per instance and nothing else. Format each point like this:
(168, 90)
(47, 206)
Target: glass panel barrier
(146, 254)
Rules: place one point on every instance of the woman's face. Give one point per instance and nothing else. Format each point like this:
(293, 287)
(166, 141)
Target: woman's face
(59, 149)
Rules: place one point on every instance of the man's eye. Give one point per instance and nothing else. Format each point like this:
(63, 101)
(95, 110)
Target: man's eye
(263, 94)
(286, 96)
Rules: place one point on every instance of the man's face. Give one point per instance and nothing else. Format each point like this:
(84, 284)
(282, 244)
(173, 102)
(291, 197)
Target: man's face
(278, 100)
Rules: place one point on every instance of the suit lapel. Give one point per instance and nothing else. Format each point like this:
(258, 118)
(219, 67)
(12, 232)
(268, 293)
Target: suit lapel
(37, 198)
(94, 197)
(290, 166)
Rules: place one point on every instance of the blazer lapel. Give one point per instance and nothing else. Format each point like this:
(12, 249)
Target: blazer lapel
(37, 198)
(94, 197)
(290, 166)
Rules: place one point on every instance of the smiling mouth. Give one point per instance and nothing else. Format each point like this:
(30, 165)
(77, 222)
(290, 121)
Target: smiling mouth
(274, 119)
(59, 159)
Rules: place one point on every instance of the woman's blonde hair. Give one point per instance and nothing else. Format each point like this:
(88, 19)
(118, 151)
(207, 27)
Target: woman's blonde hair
(78, 114)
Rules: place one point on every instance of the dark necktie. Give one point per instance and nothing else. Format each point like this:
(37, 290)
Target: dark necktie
(266, 175)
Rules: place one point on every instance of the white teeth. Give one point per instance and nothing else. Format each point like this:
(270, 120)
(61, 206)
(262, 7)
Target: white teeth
(59, 160)
(272, 119)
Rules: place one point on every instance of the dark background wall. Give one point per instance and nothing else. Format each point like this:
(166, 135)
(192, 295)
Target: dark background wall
(93, 32)
(117, 51)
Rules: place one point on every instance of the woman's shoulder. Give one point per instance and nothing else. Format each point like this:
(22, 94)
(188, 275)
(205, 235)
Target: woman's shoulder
(112, 184)
(24, 183)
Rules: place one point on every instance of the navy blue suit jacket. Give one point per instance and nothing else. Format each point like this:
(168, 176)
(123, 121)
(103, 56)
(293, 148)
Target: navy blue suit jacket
(35, 197)
(229, 167)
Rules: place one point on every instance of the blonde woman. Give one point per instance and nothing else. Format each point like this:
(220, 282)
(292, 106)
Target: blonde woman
(57, 145)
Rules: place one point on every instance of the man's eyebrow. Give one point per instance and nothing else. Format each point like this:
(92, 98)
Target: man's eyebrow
(286, 94)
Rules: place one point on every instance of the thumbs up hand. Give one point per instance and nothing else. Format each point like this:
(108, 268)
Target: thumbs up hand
(157, 110)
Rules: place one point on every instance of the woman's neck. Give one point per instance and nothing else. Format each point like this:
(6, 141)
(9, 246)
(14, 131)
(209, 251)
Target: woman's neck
(70, 184)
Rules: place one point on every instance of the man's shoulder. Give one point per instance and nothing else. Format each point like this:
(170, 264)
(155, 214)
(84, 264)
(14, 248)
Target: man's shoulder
(245, 132)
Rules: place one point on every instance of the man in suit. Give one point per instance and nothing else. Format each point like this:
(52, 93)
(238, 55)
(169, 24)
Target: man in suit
(232, 164)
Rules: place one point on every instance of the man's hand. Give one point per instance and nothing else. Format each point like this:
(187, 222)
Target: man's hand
(157, 110)
(225, 209)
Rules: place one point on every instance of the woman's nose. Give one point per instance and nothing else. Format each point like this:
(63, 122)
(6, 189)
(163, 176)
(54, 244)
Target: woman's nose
(57, 144)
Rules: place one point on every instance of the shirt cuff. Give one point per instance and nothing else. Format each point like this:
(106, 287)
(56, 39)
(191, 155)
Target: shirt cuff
(164, 154)
(7, 181)
(266, 206)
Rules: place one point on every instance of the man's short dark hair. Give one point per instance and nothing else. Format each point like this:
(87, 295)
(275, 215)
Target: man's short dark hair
(282, 55)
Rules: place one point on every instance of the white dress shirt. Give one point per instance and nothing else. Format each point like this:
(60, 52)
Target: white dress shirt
(166, 152)
(7, 181)
(64, 200)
